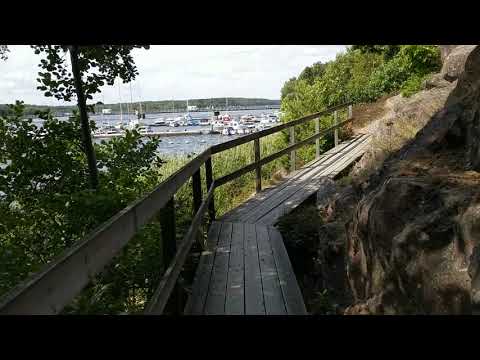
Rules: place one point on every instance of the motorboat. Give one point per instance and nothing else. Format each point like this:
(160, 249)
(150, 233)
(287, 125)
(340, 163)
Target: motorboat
(245, 118)
(273, 118)
(239, 128)
(180, 120)
(172, 122)
(225, 118)
(266, 122)
(160, 122)
(107, 130)
(204, 122)
(228, 130)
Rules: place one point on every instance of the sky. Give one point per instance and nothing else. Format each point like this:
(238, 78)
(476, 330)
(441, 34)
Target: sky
(180, 72)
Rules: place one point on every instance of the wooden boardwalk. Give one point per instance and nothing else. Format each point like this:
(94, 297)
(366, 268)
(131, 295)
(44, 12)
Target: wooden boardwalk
(246, 270)
(244, 267)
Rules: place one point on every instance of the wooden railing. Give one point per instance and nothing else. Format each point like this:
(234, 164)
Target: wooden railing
(54, 287)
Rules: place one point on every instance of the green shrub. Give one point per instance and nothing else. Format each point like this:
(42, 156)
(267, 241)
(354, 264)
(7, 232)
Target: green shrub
(46, 205)
(412, 85)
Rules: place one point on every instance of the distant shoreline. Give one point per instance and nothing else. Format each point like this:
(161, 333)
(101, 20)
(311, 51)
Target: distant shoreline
(167, 106)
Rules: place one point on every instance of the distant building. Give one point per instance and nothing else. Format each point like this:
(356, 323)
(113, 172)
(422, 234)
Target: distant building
(106, 111)
(191, 108)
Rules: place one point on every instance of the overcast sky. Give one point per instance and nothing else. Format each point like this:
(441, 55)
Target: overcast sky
(181, 72)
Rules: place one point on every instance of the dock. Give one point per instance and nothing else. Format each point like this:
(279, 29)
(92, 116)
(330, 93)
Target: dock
(157, 134)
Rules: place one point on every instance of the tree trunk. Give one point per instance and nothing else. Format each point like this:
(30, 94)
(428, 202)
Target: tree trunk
(82, 106)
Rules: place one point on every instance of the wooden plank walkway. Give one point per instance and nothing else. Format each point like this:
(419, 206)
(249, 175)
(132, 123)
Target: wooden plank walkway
(269, 205)
(247, 270)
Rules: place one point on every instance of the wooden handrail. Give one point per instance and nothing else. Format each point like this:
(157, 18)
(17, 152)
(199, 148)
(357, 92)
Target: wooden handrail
(76, 266)
(51, 289)
(270, 158)
(262, 133)
(164, 289)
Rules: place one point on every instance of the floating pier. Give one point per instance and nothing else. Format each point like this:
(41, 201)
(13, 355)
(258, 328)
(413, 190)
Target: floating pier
(160, 134)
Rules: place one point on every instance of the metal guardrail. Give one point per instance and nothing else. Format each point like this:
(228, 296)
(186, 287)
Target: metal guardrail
(51, 289)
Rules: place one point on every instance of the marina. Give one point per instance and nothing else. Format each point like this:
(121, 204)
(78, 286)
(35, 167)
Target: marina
(182, 134)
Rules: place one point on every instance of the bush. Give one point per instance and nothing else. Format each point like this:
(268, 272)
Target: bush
(405, 71)
(46, 205)
(412, 85)
(362, 74)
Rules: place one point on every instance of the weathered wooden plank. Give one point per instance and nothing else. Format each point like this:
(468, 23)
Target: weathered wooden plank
(215, 304)
(313, 185)
(209, 180)
(196, 301)
(294, 186)
(254, 303)
(235, 299)
(258, 169)
(352, 156)
(309, 188)
(270, 206)
(169, 243)
(288, 282)
(272, 293)
(251, 203)
(335, 132)
(236, 214)
(267, 194)
(293, 156)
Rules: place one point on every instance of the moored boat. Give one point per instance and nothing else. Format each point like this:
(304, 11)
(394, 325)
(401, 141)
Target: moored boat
(228, 130)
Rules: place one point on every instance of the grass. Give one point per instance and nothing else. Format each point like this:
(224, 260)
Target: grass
(238, 190)
(395, 134)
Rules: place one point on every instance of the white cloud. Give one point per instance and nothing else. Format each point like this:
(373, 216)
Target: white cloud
(181, 72)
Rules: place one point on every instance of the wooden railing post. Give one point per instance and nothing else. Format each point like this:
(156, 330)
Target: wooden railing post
(293, 152)
(335, 122)
(350, 111)
(169, 243)
(197, 201)
(317, 142)
(209, 179)
(196, 190)
(258, 169)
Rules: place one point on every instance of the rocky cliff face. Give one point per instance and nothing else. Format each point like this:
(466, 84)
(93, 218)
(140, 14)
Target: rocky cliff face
(413, 243)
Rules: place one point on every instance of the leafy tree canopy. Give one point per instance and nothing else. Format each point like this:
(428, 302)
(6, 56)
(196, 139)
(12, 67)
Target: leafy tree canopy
(388, 51)
(98, 65)
(311, 73)
(288, 88)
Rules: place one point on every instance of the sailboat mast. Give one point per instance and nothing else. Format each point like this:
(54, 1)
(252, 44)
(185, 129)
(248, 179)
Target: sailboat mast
(131, 99)
(120, 96)
(103, 107)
